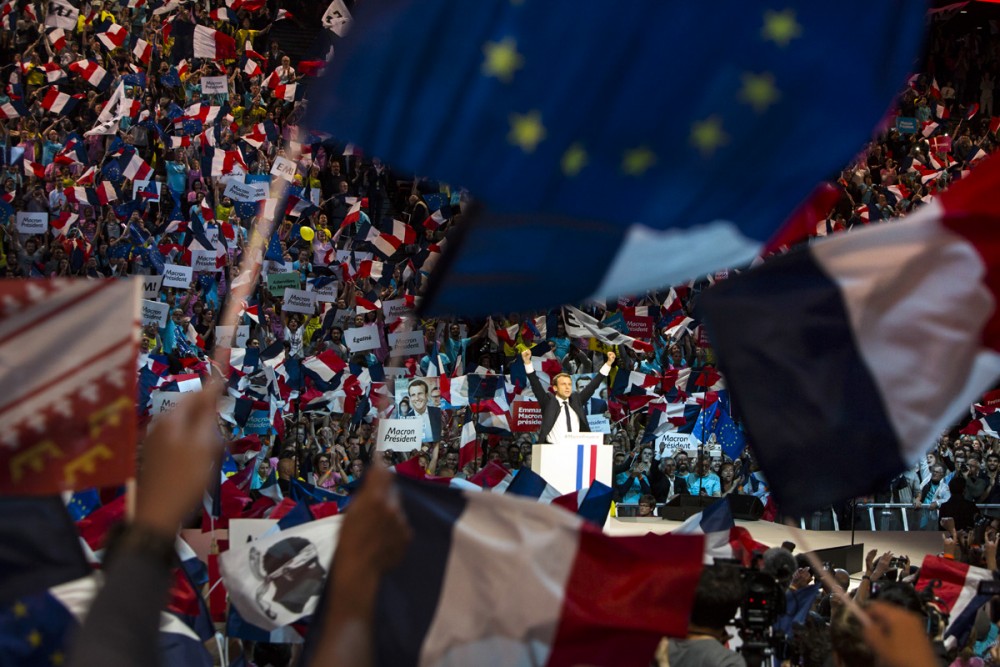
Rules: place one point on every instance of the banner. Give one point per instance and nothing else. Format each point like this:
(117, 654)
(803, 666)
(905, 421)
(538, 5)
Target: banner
(215, 85)
(175, 275)
(283, 168)
(400, 435)
(406, 344)
(259, 423)
(395, 308)
(32, 222)
(204, 260)
(299, 301)
(907, 125)
(154, 312)
(277, 283)
(363, 338)
(325, 294)
(672, 442)
(337, 18)
(639, 327)
(526, 416)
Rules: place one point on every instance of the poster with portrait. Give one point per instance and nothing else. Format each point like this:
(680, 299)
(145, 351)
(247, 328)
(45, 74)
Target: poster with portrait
(412, 394)
(598, 403)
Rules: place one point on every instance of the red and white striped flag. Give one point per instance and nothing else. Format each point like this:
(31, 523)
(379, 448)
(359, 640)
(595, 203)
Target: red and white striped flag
(972, 110)
(57, 38)
(212, 44)
(62, 224)
(67, 415)
(252, 68)
(33, 169)
(91, 72)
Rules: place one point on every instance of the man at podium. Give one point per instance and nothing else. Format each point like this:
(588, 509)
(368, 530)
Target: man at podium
(565, 411)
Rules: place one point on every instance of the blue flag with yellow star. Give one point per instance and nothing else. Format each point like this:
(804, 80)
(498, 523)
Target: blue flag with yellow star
(614, 148)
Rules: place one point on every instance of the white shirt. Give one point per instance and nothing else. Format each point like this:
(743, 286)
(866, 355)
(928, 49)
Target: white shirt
(559, 429)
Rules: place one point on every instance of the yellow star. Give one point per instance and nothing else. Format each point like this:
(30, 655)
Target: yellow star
(57, 658)
(35, 638)
(502, 59)
(637, 160)
(707, 135)
(20, 610)
(526, 130)
(574, 160)
(780, 27)
(759, 91)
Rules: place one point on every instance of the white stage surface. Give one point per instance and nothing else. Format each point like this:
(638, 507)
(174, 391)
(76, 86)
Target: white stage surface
(915, 544)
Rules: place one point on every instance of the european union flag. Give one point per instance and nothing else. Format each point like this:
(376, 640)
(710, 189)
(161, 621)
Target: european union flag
(274, 248)
(729, 435)
(171, 79)
(138, 79)
(609, 139)
(83, 503)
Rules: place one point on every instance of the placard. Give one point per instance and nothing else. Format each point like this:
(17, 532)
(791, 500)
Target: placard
(215, 85)
(670, 443)
(163, 401)
(224, 336)
(154, 312)
(526, 416)
(599, 424)
(400, 434)
(283, 168)
(143, 186)
(907, 125)
(277, 283)
(350, 256)
(395, 371)
(204, 260)
(363, 338)
(245, 192)
(32, 222)
(325, 294)
(259, 423)
(175, 275)
(151, 286)
(406, 344)
(395, 308)
(299, 301)
(640, 327)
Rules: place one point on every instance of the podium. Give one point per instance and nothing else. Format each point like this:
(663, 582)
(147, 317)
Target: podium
(574, 462)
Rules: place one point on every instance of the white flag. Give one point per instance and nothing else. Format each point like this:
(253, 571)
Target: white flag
(62, 14)
(337, 18)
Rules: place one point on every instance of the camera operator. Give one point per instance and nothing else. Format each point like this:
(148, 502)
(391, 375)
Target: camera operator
(715, 602)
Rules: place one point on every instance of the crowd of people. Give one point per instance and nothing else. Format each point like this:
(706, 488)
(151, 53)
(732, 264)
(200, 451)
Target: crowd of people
(139, 161)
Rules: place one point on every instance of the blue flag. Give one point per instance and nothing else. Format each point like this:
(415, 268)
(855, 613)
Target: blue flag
(712, 118)
(729, 435)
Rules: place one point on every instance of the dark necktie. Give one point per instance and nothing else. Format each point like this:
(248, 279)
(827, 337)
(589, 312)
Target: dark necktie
(569, 422)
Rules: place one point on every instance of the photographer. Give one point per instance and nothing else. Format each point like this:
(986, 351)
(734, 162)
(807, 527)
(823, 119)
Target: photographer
(715, 603)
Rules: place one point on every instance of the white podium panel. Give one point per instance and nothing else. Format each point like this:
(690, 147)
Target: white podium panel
(575, 462)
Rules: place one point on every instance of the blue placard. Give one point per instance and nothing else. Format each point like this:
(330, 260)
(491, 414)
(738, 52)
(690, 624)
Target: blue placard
(907, 125)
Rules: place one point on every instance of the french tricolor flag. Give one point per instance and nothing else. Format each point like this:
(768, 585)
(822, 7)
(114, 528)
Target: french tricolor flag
(723, 538)
(593, 503)
(212, 44)
(113, 37)
(956, 584)
(60, 103)
(92, 73)
(864, 346)
(574, 604)
(142, 51)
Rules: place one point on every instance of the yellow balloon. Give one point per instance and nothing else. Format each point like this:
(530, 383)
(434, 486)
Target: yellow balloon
(306, 233)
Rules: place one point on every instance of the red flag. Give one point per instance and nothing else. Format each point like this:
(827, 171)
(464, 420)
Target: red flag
(67, 414)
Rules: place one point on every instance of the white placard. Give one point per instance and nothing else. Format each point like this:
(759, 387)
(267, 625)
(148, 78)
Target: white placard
(337, 19)
(154, 312)
(214, 85)
(151, 286)
(142, 185)
(353, 255)
(284, 168)
(407, 344)
(62, 14)
(164, 401)
(32, 222)
(670, 443)
(325, 294)
(363, 338)
(246, 192)
(224, 336)
(395, 308)
(599, 424)
(299, 301)
(204, 260)
(175, 275)
(400, 434)
(395, 371)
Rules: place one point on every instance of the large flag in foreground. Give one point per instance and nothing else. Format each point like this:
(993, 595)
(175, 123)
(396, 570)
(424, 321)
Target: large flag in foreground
(855, 353)
(573, 603)
(957, 585)
(67, 409)
(674, 149)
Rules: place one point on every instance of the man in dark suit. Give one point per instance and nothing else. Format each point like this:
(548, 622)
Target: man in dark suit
(563, 411)
(418, 392)
(665, 482)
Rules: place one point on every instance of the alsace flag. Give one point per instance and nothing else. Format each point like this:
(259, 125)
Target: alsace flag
(212, 44)
(576, 604)
(92, 73)
(67, 417)
(956, 584)
(864, 346)
(553, 143)
(723, 538)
